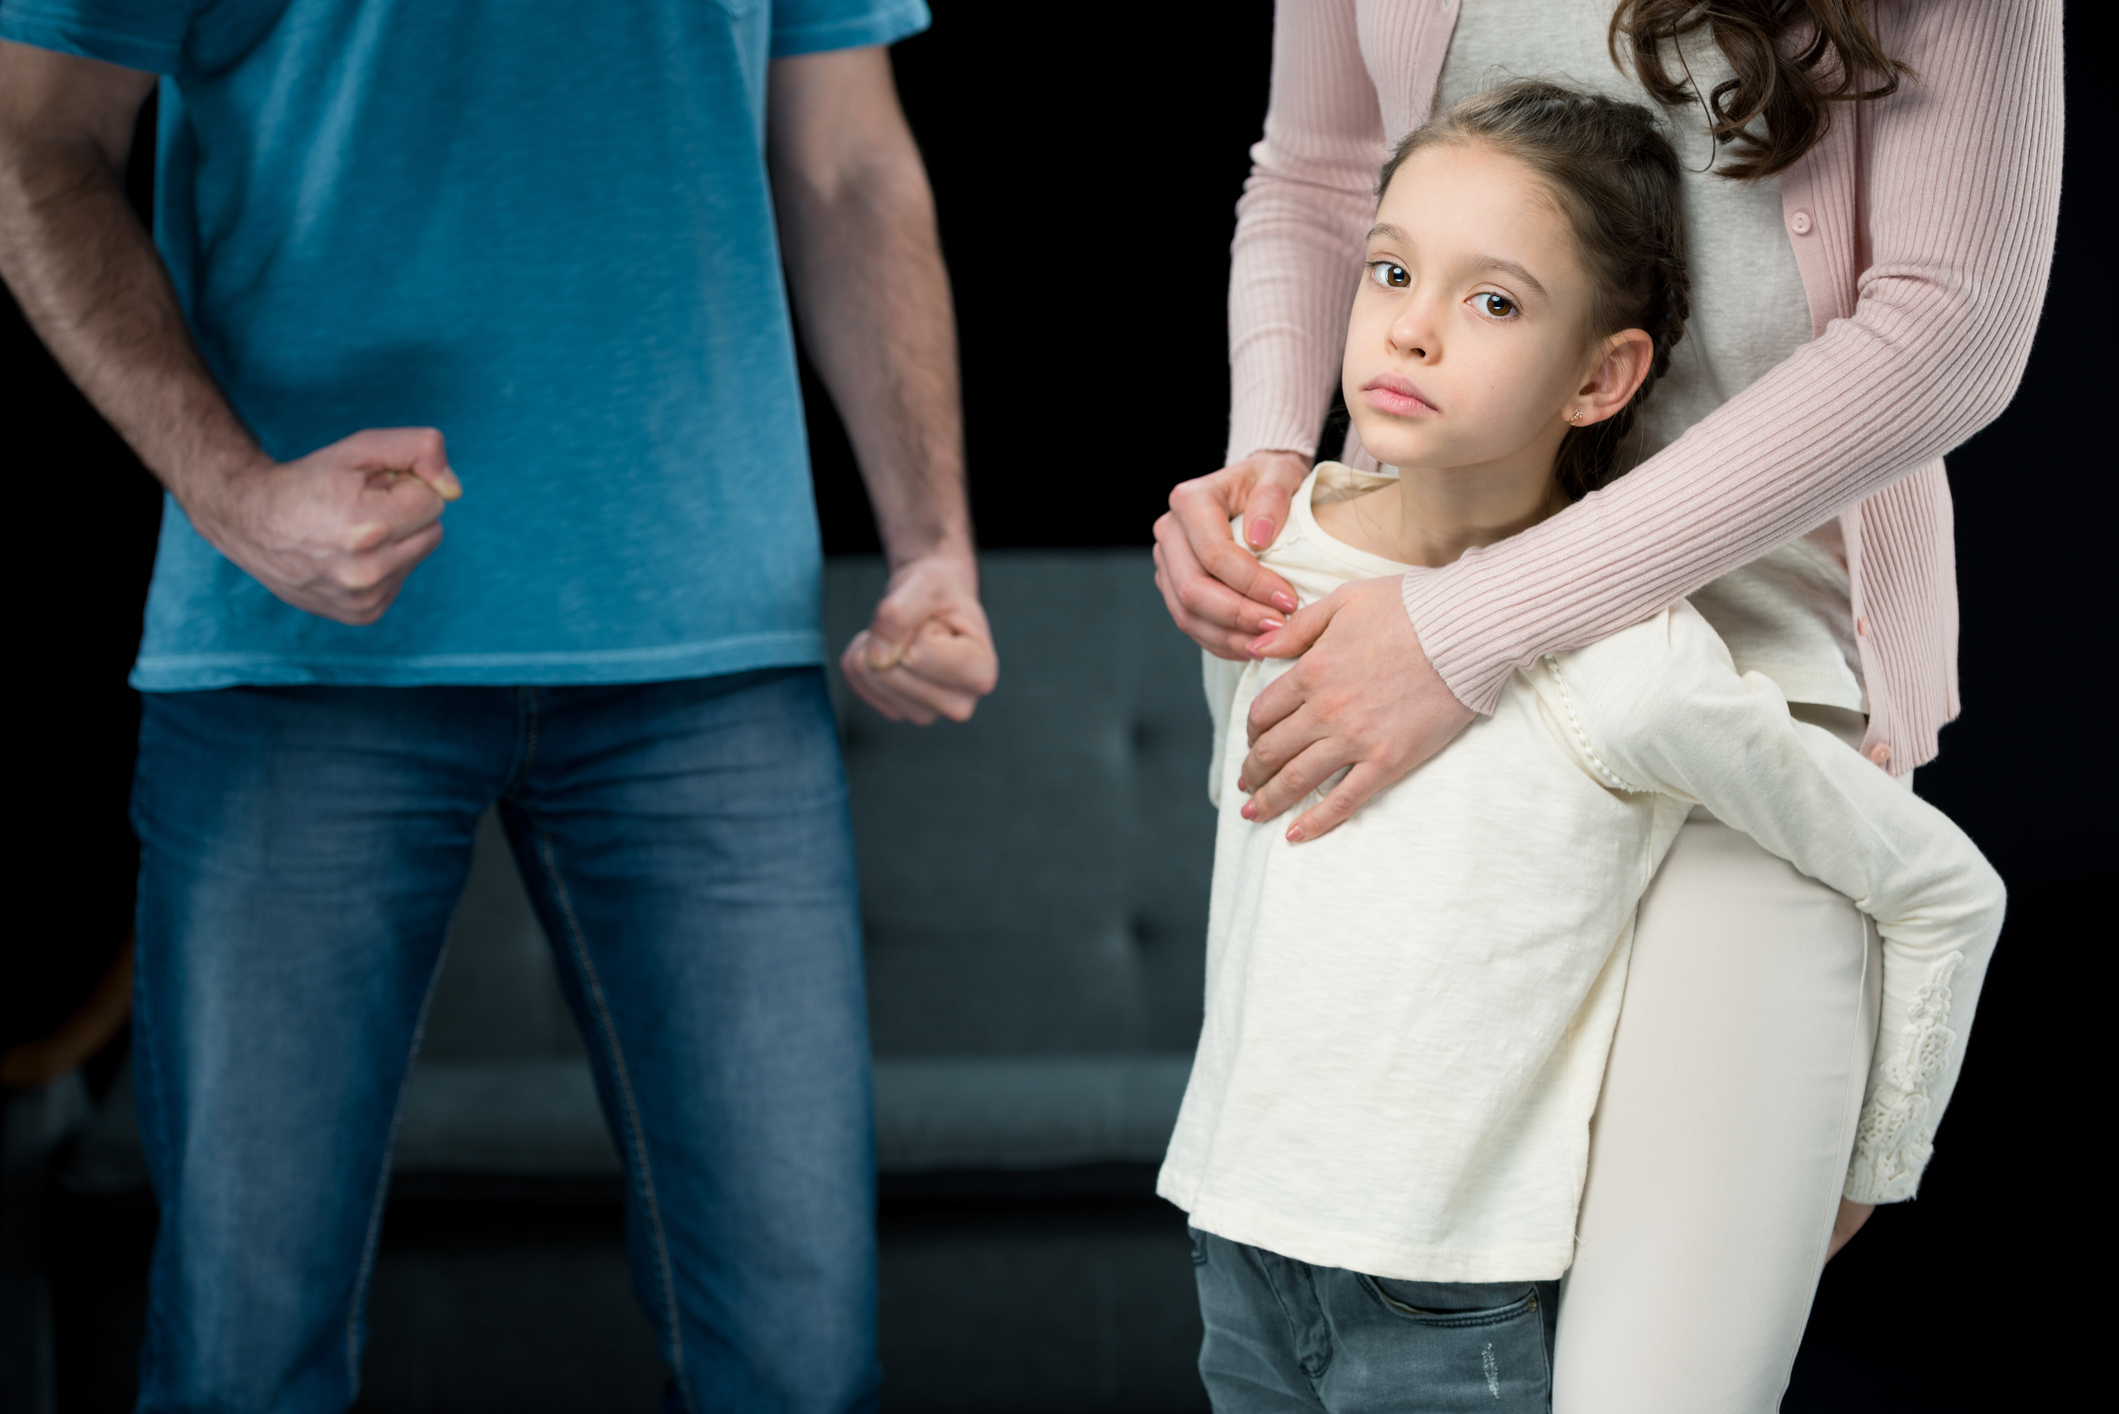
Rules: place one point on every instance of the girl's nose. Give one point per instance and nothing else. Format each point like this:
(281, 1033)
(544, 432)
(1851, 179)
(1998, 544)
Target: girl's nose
(1412, 333)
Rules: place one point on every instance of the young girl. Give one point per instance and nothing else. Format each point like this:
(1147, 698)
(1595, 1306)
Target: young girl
(1383, 1144)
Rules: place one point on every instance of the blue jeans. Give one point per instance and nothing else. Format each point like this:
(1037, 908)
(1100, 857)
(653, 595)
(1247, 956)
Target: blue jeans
(1284, 1336)
(687, 847)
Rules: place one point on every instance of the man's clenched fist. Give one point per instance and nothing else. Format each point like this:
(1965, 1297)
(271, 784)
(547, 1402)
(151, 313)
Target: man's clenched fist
(928, 652)
(336, 532)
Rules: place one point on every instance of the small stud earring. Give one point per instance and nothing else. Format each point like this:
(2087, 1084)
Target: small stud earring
(1572, 414)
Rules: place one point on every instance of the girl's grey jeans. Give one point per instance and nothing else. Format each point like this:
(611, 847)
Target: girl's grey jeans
(1284, 1336)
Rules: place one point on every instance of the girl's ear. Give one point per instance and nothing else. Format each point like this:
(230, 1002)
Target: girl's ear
(1624, 363)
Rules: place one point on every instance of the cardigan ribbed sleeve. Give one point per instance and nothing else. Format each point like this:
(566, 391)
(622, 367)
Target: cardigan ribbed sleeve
(1962, 177)
(1300, 225)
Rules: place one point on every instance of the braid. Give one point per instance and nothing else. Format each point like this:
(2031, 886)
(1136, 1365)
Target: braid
(1615, 177)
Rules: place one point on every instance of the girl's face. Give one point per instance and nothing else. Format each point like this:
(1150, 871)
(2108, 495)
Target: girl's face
(1469, 343)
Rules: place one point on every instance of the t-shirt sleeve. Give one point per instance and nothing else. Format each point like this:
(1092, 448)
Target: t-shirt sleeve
(1662, 709)
(147, 35)
(814, 26)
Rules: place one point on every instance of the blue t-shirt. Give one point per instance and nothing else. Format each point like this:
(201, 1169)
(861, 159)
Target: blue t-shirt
(547, 232)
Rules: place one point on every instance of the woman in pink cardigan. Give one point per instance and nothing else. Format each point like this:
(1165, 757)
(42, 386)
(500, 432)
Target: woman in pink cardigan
(1869, 258)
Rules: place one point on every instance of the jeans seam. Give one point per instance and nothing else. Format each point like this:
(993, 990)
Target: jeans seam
(382, 1185)
(635, 1131)
(151, 1103)
(1296, 1329)
(529, 715)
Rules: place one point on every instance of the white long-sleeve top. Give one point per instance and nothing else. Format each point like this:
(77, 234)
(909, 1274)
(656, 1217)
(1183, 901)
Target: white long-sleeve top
(1407, 1020)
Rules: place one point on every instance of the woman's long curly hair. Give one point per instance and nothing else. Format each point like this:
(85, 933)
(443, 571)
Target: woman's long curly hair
(1615, 178)
(1791, 60)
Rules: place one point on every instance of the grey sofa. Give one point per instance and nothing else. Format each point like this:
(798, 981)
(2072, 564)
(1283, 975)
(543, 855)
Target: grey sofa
(1034, 889)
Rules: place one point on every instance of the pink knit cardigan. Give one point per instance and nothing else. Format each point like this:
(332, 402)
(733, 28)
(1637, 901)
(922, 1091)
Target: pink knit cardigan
(1923, 228)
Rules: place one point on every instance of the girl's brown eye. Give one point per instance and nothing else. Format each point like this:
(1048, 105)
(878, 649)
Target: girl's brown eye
(1395, 277)
(1499, 306)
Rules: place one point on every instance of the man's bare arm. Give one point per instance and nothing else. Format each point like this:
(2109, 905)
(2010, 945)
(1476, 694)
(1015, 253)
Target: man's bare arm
(87, 276)
(334, 533)
(872, 297)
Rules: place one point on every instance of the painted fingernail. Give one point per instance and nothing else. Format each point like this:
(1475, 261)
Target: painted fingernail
(1270, 626)
(1250, 810)
(1260, 532)
(1283, 601)
(1295, 834)
(1243, 785)
(1259, 644)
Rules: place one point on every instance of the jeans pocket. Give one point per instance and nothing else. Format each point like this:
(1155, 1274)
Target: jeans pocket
(1444, 1303)
(1463, 1345)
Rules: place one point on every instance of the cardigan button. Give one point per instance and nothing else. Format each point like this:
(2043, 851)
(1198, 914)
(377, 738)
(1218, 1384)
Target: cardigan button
(1880, 753)
(1800, 223)
(1861, 627)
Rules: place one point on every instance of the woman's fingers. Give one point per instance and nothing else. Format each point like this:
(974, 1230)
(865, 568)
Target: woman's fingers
(1364, 694)
(1201, 511)
(1362, 780)
(1265, 509)
(1301, 631)
(1204, 609)
(1308, 767)
(1215, 589)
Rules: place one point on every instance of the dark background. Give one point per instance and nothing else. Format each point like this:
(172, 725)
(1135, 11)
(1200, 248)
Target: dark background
(1086, 179)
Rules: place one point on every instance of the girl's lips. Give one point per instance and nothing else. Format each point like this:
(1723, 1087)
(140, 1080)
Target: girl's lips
(1388, 393)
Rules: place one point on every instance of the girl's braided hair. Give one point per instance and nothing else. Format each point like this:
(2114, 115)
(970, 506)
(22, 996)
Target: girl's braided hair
(1614, 176)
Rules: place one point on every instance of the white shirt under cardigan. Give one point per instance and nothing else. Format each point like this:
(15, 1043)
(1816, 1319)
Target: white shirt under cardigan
(1407, 1020)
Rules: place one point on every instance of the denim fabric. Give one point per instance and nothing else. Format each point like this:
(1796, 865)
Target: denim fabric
(1284, 1336)
(686, 845)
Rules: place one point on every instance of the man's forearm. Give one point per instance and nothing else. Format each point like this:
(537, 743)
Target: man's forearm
(91, 283)
(872, 297)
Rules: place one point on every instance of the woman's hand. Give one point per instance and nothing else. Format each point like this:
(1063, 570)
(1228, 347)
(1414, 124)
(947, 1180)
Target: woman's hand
(1219, 594)
(928, 652)
(1364, 697)
(1848, 1222)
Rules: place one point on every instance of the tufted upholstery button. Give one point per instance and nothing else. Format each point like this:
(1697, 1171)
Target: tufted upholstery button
(1800, 223)
(1881, 753)
(1861, 627)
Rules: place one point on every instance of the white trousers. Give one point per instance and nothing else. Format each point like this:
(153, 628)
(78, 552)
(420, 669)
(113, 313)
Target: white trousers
(1722, 1138)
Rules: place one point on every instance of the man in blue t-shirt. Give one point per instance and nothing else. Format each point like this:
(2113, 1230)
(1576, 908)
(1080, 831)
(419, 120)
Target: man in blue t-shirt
(522, 266)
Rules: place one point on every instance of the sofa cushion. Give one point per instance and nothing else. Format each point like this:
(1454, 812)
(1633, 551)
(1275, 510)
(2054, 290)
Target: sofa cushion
(540, 1115)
